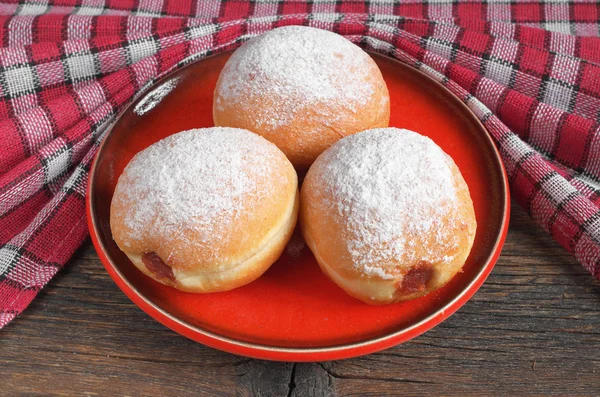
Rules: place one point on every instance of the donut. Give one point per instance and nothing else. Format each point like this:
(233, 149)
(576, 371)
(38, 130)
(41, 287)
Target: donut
(387, 215)
(303, 89)
(205, 210)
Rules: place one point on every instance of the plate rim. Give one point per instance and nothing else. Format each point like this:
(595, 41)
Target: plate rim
(301, 354)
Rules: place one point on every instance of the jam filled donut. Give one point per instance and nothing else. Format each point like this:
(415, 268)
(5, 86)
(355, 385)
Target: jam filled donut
(303, 89)
(205, 210)
(387, 215)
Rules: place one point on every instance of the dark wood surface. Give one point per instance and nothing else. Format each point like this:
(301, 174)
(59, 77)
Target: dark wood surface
(533, 328)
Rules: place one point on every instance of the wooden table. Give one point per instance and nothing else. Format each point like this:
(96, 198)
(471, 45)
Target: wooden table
(533, 328)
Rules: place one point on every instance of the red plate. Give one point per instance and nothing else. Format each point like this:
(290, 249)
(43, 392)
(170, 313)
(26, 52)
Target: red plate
(293, 312)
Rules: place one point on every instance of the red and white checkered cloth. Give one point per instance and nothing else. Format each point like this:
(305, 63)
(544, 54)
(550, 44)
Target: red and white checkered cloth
(529, 70)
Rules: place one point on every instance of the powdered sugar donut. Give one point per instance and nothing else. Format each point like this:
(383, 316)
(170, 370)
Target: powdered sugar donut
(387, 215)
(303, 89)
(205, 210)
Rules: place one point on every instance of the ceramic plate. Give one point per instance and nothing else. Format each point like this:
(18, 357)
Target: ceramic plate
(293, 312)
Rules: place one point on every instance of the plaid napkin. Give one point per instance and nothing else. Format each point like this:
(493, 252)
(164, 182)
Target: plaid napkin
(529, 70)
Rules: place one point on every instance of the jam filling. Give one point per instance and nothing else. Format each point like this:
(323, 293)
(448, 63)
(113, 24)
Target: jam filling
(157, 266)
(417, 278)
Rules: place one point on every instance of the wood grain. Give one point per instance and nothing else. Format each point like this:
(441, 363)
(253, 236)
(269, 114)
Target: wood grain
(531, 329)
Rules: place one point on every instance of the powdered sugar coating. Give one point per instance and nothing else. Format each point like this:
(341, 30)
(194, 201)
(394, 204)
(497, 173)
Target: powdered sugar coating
(198, 180)
(392, 188)
(297, 67)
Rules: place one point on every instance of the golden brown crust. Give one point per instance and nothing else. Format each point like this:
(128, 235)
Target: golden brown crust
(236, 276)
(327, 235)
(302, 129)
(302, 149)
(248, 241)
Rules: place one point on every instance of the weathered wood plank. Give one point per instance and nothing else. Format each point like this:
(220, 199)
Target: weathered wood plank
(532, 328)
